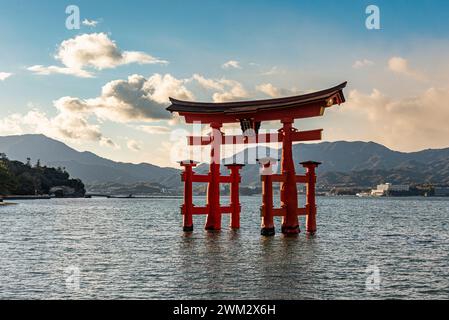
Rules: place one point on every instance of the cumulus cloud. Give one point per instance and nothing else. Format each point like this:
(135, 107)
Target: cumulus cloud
(133, 145)
(362, 63)
(64, 126)
(4, 75)
(234, 91)
(268, 89)
(134, 99)
(227, 90)
(92, 51)
(208, 83)
(274, 92)
(400, 65)
(43, 70)
(153, 129)
(231, 64)
(11, 124)
(90, 23)
(409, 123)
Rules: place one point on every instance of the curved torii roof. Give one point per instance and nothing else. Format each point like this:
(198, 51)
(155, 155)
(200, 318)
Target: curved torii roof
(301, 106)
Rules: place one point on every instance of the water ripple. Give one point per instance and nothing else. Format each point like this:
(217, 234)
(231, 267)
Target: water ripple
(135, 249)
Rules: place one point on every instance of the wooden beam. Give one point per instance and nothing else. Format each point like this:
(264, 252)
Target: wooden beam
(198, 141)
(200, 178)
(226, 209)
(309, 135)
(260, 138)
(311, 109)
(301, 179)
(278, 212)
(301, 212)
(278, 178)
(204, 210)
(225, 179)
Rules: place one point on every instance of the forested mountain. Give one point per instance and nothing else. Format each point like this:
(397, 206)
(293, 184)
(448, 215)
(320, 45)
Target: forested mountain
(17, 178)
(344, 163)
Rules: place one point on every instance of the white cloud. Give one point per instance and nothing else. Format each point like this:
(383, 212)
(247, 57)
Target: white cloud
(208, 83)
(400, 65)
(43, 70)
(108, 143)
(362, 63)
(134, 99)
(234, 91)
(153, 129)
(273, 71)
(133, 145)
(65, 126)
(274, 92)
(231, 64)
(90, 23)
(11, 124)
(268, 89)
(228, 90)
(4, 75)
(408, 124)
(94, 51)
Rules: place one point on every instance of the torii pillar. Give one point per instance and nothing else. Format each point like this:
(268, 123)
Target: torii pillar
(310, 195)
(213, 221)
(289, 191)
(267, 225)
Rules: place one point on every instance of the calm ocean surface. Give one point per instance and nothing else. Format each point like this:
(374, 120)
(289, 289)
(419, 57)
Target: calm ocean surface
(125, 248)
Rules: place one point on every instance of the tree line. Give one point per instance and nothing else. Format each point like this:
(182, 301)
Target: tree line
(18, 178)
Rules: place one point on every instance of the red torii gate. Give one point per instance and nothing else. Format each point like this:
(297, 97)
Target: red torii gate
(251, 114)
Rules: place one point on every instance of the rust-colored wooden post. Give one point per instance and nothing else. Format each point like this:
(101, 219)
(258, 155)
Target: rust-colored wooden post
(187, 207)
(213, 221)
(267, 225)
(289, 193)
(310, 196)
(234, 195)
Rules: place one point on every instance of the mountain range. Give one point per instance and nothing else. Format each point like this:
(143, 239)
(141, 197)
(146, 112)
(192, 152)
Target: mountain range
(344, 163)
(360, 164)
(86, 165)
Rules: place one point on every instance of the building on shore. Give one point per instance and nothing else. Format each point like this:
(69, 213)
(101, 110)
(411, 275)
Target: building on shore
(441, 192)
(388, 189)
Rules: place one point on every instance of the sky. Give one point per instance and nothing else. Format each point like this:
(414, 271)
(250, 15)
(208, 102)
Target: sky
(104, 87)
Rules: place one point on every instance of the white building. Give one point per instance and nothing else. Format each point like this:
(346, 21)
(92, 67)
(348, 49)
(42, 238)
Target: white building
(393, 187)
(385, 188)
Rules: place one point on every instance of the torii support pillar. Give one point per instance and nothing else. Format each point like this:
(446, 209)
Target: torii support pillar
(266, 211)
(187, 207)
(234, 194)
(213, 220)
(310, 196)
(289, 192)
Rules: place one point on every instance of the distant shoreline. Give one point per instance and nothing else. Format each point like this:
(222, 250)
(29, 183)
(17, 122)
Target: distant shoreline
(26, 197)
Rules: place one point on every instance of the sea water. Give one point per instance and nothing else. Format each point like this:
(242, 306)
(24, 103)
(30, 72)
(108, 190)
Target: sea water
(383, 248)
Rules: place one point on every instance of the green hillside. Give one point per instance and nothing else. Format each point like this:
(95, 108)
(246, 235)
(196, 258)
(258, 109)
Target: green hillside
(17, 178)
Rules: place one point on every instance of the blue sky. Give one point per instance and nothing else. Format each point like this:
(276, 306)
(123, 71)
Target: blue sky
(395, 74)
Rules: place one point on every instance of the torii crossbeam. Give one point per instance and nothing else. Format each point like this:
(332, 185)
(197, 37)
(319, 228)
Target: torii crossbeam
(250, 115)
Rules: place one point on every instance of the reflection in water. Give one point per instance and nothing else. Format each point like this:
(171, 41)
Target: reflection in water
(127, 248)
